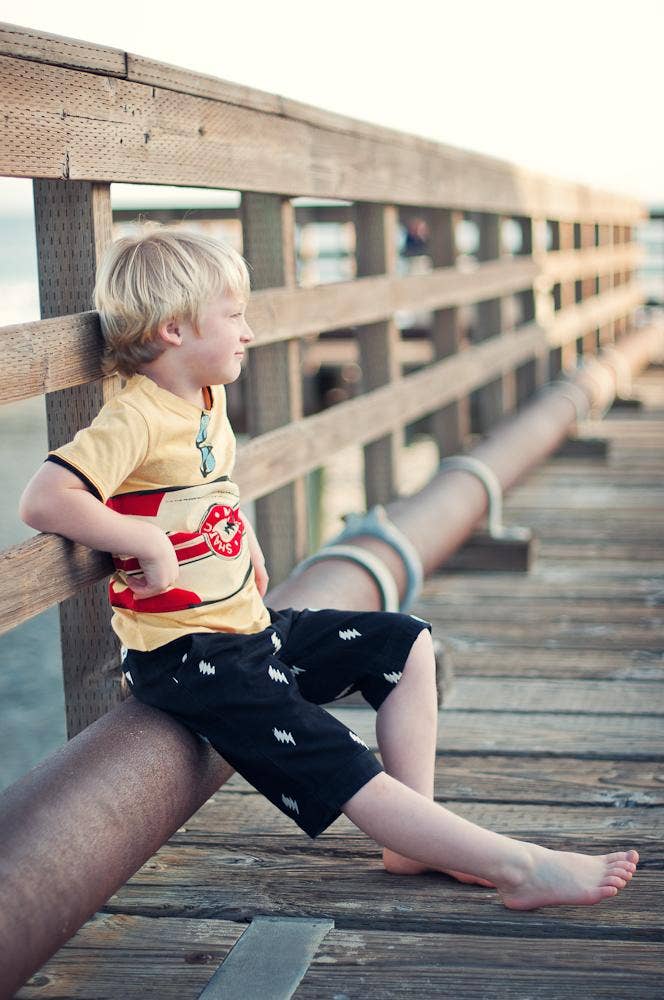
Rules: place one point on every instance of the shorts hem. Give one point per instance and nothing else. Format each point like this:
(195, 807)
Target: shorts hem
(339, 792)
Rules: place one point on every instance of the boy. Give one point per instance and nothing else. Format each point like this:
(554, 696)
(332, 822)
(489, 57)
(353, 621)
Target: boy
(149, 481)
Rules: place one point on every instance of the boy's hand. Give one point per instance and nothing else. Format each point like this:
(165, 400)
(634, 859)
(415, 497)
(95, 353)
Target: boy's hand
(256, 555)
(159, 565)
(261, 576)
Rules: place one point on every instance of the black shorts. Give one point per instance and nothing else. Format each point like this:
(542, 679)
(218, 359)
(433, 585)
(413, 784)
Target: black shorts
(257, 699)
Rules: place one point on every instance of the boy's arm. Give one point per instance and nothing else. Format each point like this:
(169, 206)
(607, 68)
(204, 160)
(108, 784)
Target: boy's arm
(56, 500)
(257, 557)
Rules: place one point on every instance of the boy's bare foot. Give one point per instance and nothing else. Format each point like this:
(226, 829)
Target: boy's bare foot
(562, 878)
(397, 864)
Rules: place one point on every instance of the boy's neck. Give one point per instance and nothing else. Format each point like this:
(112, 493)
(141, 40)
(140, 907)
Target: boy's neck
(199, 396)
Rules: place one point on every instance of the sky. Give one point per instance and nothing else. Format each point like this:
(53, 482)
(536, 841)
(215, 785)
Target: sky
(571, 89)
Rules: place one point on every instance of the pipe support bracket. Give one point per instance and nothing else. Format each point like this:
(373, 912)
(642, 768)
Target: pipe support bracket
(491, 483)
(375, 567)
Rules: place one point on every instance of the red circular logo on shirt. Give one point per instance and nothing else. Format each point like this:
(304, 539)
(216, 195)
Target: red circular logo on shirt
(222, 529)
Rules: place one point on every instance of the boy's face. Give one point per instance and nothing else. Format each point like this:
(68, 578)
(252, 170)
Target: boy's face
(224, 335)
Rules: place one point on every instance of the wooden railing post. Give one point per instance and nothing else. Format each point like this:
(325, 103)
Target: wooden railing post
(376, 229)
(588, 289)
(543, 311)
(451, 424)
(73, 225)
(275, 378)
(489, 402)
(567, 291)
(605, 282)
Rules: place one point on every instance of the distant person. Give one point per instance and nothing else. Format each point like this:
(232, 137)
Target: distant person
(417, 238)
(150, 481)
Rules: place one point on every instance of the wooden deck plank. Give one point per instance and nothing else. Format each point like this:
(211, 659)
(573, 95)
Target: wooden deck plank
(596, 697)
(545, 780)
(532, 734)
(132, 955)
(403, 966)
(481, 660)
(182, 955)
(283, 875)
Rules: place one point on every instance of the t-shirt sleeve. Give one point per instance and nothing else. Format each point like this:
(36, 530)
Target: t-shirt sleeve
(106, 453)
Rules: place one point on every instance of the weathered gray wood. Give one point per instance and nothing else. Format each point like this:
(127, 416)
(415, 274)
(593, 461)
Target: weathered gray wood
(494, 778)
(375, 236)
(488, 403)
(73, 227)
(398, 966)
(282, 873)
(586, 736)
(116, 954)
(451, 424)
(275, 381)
(214, 143)
(578, 697)
(66, 351)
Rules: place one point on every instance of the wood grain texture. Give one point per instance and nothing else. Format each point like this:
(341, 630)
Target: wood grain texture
(63, 121)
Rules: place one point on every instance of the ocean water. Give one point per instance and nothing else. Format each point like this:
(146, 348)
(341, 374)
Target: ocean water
(32, 721)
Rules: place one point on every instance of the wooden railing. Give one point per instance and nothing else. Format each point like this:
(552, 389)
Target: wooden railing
(79, 117)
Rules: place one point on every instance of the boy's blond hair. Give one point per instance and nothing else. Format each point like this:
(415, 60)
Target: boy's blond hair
(145, 280)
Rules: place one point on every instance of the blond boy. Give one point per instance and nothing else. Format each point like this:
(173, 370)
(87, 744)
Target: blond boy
(150, 481)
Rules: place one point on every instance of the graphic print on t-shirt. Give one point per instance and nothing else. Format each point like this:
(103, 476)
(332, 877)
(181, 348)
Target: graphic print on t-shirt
(204, 527)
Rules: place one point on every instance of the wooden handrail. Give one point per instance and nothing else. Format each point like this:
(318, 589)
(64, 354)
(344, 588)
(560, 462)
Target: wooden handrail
(161, 125)
(48, 355)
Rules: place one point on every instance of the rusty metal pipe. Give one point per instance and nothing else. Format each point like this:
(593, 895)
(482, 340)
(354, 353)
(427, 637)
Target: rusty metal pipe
(83, 821)
(77, 826)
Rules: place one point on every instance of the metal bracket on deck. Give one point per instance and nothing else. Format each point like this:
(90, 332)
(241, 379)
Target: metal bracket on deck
(575, 394)
(491, 484)
(389, 595)
(621, 369)
(375, 522)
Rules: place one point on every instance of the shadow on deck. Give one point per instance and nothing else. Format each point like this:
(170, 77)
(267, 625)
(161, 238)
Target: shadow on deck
(553, 733)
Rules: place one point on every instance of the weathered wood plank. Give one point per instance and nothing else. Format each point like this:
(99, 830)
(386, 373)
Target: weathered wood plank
(279, 875)
(118, 954)
(458, 610)
(65, 351)
(564, 635)
(402, 966)
(593, 697)
(533, 734)
(214, 143)
(588, 664)
(43, 47)
(124, 955)
(542, 780)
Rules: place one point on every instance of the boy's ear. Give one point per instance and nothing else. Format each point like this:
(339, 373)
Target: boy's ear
(170, 332)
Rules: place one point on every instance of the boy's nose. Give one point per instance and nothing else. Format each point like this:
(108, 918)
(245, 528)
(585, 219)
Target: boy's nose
(247, 334)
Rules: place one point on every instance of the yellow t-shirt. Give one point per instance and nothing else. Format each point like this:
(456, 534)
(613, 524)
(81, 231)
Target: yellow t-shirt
(157, 457)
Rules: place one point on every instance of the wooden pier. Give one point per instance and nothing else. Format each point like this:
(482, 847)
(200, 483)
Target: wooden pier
(552, 732)
(553, 729)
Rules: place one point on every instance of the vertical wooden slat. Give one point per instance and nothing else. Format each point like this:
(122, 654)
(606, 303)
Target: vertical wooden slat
(567, 296)
(451, 424)
(274, 378)
(588, 288)
(73, 224)
(488, 401)
(376, 233)
(535, 372)
(607, 332)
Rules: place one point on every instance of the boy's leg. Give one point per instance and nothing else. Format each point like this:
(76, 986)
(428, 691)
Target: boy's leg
(526, 875)
(406, 728)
